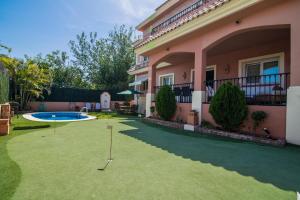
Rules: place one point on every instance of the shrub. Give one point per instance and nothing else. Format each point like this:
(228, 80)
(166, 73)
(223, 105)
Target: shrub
(166, 103)
(4, 82)
(206, 124)
(152, 109)
(228, 107)
(258, 117)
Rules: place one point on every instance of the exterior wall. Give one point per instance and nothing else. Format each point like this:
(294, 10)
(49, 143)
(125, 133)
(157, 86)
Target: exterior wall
(178, 71)
(63, 106)
(182, 112)
(275, 122)
(232, 58)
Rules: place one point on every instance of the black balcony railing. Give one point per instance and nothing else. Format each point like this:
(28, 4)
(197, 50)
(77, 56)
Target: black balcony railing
(183, 92)
(259, 90)
(180, 15)
(139, 66)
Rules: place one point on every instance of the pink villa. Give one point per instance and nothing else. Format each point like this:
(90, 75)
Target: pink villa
(196, 45)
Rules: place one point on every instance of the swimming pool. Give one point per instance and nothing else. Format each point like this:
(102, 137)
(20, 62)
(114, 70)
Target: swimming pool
(58, 116)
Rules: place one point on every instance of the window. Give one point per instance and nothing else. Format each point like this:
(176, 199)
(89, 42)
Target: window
(167, 79)
(253, 70)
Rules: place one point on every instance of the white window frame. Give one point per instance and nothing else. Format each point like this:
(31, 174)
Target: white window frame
(165, 75)
(192, 71)
(271, 57)
(208, 68)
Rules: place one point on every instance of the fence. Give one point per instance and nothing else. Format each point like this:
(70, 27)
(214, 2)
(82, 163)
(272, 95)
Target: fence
(78, 95)
(259, 90)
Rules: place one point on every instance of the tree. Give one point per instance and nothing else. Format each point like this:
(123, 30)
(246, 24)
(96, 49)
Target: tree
(166, 103)
(228, 107)
(2, 46)
(32, 81)
(12, 65)
(63, 73)
(105, 60)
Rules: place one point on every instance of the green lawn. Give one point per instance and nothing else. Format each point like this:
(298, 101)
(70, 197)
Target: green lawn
(62, 162)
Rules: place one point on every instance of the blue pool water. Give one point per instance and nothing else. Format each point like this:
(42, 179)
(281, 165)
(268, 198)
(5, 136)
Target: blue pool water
(60, 116)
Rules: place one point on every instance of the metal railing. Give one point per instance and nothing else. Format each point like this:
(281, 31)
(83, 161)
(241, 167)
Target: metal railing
(180, 15)
(139, 66)
(183, 92)
(259, 90)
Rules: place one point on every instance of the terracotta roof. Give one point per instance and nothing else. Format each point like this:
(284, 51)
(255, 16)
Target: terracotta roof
(195, 14)
(164, 3)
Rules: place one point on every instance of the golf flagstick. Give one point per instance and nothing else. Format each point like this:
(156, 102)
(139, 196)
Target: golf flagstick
(110, 150)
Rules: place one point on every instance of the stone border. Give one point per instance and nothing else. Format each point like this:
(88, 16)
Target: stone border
(164, 123)
(242, 137)
(206, 131)
(29, 116)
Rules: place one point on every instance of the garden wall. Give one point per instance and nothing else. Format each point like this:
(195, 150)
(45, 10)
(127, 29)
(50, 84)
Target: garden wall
(275, 122)
(39, 106)
(182, 111)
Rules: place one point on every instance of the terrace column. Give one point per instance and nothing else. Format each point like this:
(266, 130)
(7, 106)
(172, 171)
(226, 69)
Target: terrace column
(151, 89)
(293, 96)
(199, 86)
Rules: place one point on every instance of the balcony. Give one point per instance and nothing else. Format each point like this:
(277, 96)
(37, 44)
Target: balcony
(183, 92)
(189, 10)
(139, 67)
(189, 13)
(259, 90)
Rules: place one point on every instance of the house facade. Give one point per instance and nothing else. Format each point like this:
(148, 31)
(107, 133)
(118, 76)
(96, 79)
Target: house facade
(196, 45)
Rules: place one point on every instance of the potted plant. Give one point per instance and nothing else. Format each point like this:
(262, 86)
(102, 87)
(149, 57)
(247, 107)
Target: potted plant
(193, 118)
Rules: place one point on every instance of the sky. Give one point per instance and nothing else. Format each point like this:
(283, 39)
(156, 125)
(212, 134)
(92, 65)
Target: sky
(40, 26)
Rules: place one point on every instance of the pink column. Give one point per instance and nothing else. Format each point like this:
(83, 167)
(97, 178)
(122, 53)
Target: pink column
(200, 65)
(199, 86)
(151, 78)
(151, 89)
(295, 52)
(293, 96)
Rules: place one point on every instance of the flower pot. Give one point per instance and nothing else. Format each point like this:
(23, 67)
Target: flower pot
(193, 118)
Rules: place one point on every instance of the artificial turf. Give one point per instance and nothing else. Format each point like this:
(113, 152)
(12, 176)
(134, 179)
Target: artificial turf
(148, 163)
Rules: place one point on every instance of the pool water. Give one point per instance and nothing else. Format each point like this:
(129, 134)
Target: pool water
(58, 116)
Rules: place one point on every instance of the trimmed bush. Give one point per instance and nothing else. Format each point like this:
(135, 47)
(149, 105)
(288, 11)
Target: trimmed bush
(166, 103)
(228, 107)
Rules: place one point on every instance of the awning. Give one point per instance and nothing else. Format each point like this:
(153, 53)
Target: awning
(139, 81)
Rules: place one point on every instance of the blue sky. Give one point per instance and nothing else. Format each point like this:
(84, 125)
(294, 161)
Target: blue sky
(41, 26)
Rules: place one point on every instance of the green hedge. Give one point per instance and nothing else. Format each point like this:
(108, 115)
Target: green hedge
(166, 103)
(79, 95)
(4, 87)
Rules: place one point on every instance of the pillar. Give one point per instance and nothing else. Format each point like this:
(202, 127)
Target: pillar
(293, 95)
(151, 90)
(199, 86)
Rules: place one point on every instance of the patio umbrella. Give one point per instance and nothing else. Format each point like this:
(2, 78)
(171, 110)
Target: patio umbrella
(129, 92)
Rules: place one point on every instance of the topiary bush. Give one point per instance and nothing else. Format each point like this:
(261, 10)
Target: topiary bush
(165, 103)
(228, 107)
